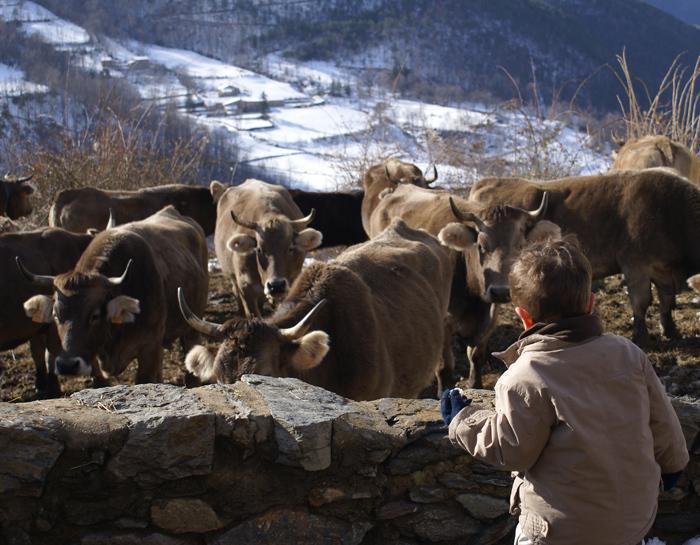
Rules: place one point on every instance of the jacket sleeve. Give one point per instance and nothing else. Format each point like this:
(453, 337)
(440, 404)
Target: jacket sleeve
(670, 449)
(511, 437)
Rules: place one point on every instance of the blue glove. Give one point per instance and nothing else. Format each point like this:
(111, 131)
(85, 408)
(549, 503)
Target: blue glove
(451, 402)
(670, 479)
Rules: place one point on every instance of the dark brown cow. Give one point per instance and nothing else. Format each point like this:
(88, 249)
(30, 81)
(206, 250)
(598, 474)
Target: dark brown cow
(261, 241)
(385, 177)
(642, 224)
(120, 300)
(15, 201)
(657, 151)
(47, 251)
(338, 215)
(88, 208)
(366, 326)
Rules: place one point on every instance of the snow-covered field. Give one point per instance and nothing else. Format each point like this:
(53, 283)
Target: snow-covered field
(286, 121)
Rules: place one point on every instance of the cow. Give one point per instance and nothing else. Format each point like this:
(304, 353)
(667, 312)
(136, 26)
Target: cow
(385, 177)
(15, 197)
(89, 208)
(48, 251)
(119, 302)
(338, 215)
(657, 151)
(261, 241)
(368, 325)
(478, 283)
(642, 224)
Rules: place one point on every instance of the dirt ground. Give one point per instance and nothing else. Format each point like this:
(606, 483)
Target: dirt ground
(676, 362)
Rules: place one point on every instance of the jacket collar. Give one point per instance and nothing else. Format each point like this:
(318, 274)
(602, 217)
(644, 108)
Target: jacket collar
(554, 335)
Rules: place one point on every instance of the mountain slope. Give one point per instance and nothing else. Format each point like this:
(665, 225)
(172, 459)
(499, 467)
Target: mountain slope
(685, 10)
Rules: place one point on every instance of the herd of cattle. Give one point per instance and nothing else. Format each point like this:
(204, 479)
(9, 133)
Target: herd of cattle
(118, 275)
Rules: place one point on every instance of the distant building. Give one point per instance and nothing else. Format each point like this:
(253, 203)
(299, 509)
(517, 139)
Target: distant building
(229, 91)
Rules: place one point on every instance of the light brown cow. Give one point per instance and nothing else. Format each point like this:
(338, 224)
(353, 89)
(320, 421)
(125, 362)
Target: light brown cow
(642, 224)
(657, 151)
(385, 177)
(120, 300)
(261, 241)
(366, 326)
(15, 197)
(88, 208)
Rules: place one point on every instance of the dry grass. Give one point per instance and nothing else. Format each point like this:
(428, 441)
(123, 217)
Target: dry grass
(672, 110)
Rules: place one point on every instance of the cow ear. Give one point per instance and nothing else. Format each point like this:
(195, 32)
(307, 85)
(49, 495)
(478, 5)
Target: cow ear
(39, 308)
(241, 243)
(544, 230)
(457, 236)
(123, 309)
(216, 189)
(694, 282)
(310, 351)
(308, 239)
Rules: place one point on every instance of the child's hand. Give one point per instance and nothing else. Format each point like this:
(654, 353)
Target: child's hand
(451, 402)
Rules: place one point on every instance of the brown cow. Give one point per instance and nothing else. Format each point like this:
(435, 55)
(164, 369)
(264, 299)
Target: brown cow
(480, 270)
(47, 251)
(120, 300)
(15, 196)
(366, 326)
(261, 241)
(385, 177)
(642, 224)
(88, 208)
(657, 151)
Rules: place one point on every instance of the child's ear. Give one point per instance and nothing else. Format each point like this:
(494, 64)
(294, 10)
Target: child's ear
(591, 303)
(457, 236)
(310, 351)
(525, 317)
(544, 230)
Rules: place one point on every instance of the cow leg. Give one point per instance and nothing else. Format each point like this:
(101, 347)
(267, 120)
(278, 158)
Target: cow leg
(37, 347)
(639, 287)
(446, 376)
(53, 349)
(667, 302)
(150, 364)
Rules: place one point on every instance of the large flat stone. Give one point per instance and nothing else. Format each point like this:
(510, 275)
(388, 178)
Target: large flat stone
(185, 515)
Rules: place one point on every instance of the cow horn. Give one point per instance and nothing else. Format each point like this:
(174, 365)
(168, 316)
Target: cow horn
(40, 280)
(303, 222)
(300, 329)
(537, 214)
(466, 216)
(434, 176)
(21, 180)
(117, 280)
(111, 223)
(209, 329)
(246, 224)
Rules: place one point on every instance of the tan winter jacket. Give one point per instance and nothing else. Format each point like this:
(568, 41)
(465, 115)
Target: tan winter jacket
(588, 428)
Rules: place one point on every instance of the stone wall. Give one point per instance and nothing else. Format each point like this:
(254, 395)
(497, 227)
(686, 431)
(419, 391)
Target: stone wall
(265, 461)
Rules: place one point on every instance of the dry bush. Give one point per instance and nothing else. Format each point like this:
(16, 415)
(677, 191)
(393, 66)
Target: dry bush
(672, 110)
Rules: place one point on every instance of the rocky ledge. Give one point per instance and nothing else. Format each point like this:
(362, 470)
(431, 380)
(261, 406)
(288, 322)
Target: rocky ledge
(262, 461)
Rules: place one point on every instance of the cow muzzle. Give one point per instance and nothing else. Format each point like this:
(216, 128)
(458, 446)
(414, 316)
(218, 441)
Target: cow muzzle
(72, 366)
(276, 288)
(498, 294)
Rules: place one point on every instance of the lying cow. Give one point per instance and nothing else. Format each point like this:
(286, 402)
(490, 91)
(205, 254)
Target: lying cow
(338, 215)
(15, 201)
(642, 224)
(385, 177)
(261, 241)
(366, 326)
(89, 208)
(48, 251)
(120, 300)
(657, 151)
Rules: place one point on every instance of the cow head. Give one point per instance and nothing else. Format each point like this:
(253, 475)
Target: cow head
(255, 346)
(16, 194)
(400, 172)
(280, 246)
(86, 309)
(491, 242)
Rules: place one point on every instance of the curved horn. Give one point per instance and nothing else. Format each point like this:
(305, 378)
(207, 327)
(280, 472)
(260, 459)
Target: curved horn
(209, 329)
(300, 329)
(433, 177)
(111, 223)
(21, 180)
(116, 280)
(537, 214)
(40, 280)
(466, 216)
(246, 224)
(303, 222)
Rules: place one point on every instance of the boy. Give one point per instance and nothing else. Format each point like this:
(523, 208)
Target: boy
(581, 417)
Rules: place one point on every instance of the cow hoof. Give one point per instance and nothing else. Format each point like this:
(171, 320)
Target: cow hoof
(671, 333)
(642, 340)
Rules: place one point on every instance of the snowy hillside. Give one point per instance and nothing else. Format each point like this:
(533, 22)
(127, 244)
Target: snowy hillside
(311, 124)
